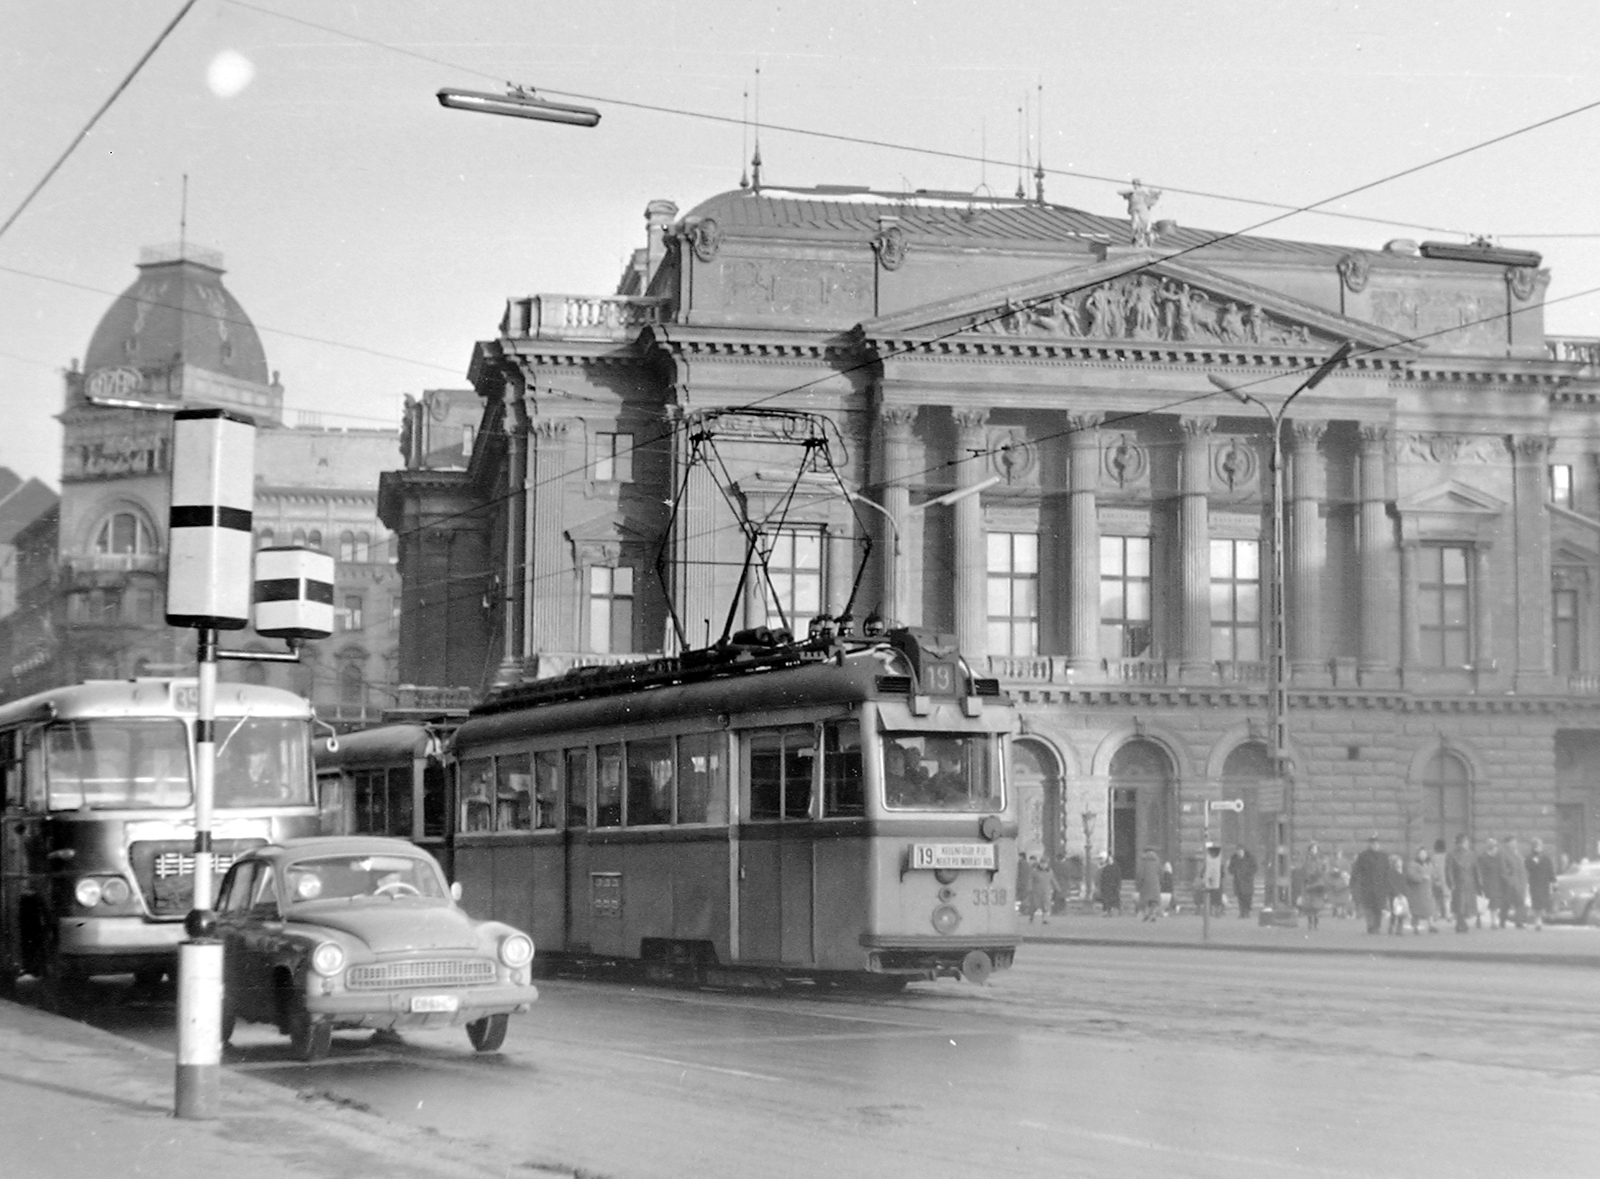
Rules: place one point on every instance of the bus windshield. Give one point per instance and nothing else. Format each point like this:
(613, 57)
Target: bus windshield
(106, 764)
(261, 761)
(940, 772)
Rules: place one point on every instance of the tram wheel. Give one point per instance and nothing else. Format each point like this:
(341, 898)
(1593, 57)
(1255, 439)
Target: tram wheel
(488, 1033)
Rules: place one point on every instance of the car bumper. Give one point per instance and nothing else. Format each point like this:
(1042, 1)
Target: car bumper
(392, 1009)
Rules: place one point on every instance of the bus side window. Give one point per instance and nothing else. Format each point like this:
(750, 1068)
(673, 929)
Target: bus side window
(33, 783)
(546, 788)
(477, 812)
(577, 787)
(843, 791)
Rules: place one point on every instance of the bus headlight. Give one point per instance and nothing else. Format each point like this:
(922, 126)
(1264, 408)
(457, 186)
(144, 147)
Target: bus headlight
(946, 918)
(328, 959)
(516, 950)
(87, 893)
(115, 891)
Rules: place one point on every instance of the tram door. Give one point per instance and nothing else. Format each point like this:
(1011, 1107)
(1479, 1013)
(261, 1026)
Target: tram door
(775, 848)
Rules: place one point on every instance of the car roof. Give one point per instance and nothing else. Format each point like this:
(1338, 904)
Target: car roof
(335, 845)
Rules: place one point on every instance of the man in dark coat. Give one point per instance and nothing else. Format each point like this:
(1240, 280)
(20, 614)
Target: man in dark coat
(1541, 880)
(1242, 868)
(1110, 884)
(1461, 877)
(1491, 880)
(1369, 884)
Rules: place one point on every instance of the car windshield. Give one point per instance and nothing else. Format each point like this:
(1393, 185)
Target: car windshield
(352, 877)
(940, 772)
(113, 763)
(261, 761)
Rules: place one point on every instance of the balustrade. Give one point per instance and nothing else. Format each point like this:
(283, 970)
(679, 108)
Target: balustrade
(581, 316)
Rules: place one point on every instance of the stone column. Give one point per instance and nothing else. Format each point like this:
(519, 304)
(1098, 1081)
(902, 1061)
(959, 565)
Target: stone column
(1410, 627)
(1194, 544)
(1381, 603)
(1307, 554)
(1483, 637)
(894, 549)
(514, 422)
(1530, 560)
(972, 558)
(1083, 573)
(548, 588)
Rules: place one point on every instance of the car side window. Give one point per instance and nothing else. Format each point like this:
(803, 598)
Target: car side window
(264, 896)
(235, 894)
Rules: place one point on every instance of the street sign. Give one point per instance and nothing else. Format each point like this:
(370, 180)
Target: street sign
(1236, 805)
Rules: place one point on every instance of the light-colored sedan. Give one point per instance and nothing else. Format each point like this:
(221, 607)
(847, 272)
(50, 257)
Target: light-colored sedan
(324, 933)
(1574, 896)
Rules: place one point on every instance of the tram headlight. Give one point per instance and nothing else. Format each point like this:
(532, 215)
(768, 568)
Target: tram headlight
(946, 918)
(516, 950)
(87, 893)
(328, 959)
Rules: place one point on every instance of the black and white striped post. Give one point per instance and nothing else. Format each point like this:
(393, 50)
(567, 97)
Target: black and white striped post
(208, 589)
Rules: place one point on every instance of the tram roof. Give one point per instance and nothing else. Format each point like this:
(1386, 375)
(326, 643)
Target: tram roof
(150, 697)
(374, 746)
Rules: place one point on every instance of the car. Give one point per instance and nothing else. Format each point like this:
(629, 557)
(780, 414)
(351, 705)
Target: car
(332, 932)
(1574, 896)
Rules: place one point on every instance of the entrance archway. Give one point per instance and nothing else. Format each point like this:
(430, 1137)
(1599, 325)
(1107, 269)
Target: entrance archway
(1141, 803)
(1247, 769)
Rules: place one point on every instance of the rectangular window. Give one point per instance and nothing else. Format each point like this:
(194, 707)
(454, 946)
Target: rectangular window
(1236, 601)
(1124, 597)
(513, 793)
(477, 812)
(702, 778)
(1013, 593)
(612, 461)
(546, 788)
(608, 786)
(844, 792)
(1564, 632)
(468, 433)
(577, 788)
(350, 613)
(781, 763)
(401, 810)
(1444, 605)
(1561, 485)
(794, 576)
(650, 765)
(610, 608)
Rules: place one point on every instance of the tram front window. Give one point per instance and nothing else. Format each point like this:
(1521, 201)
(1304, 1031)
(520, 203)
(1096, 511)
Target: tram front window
(940, 772)
(111, 764)
(261, 761)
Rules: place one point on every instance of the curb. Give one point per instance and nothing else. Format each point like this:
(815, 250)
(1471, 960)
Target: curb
(1536, 957)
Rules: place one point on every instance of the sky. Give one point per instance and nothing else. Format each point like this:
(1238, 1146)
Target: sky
(373, 236)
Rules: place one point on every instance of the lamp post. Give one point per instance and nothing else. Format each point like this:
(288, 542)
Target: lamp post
(1277, 657)
(898, 599)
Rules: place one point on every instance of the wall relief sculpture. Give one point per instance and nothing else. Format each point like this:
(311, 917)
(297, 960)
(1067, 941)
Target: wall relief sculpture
(1235, 464)
(1353, 269)
(1521, 280)
(1015, 459)
(891, 246)
(1450, 448)
(1125, 460)
(1142, 308)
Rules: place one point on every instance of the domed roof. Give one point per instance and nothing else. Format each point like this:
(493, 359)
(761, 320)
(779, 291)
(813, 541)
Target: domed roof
(178, 311)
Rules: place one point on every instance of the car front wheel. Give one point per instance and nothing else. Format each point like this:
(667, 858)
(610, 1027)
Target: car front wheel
(488, 1033)
(309, 1039)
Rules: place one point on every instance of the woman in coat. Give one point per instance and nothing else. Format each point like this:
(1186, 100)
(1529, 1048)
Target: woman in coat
(1313, 885)
(1148, 880)
(1419, 891)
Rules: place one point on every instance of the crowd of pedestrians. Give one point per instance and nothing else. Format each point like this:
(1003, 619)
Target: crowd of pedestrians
(1494, 885)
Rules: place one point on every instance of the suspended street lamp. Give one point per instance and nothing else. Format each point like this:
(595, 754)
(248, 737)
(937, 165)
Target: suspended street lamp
(519, 102)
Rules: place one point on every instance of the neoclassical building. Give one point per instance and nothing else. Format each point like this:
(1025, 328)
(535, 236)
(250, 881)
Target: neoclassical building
(1035, 415)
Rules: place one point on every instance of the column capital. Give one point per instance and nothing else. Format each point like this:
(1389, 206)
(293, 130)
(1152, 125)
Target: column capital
(1373, 435)
(545, 429)
(970, 419)
(1082, 426)
(1307, 433)
(1530, 448)
(898, 418)
(1197, 426)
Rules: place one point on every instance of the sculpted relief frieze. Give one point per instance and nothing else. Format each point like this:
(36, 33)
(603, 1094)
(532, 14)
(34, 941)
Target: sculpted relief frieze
(1144, 308)
(796, 288)
(1449, 448)
(1467, 319)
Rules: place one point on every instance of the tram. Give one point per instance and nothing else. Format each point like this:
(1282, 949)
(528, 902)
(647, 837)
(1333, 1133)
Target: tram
(388, 780)
(97, 833)
(831, 808)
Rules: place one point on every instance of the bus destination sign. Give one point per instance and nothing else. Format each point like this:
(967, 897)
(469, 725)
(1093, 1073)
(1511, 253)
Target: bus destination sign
(953, 855)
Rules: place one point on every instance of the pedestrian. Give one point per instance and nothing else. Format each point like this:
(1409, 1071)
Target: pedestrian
(1338, 877)
(1024, 878)
(1541, 879)
(1211, 874)
(1109, 881)
(1419, 891)
(1514, 874)
(1041, 890)
(1369, 883)
(1313, 885)
(1147, 878)
(1461, 872)
(1397, 904)
(1166, 887)
(1242, 868)
(1491, 881)
(1441, 886)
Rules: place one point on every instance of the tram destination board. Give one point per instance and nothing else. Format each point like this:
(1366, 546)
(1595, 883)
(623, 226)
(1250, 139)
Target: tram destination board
(953, 855)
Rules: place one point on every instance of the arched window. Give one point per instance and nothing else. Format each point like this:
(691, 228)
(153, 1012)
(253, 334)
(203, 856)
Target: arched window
(125, 533)
(1446, 799)
(347, 546)
(264, 538)
(314, 538)
(363, 546)
(352, 684)
(299, 536)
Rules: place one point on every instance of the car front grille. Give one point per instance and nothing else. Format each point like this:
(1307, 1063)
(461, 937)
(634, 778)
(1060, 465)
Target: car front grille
(431, 972)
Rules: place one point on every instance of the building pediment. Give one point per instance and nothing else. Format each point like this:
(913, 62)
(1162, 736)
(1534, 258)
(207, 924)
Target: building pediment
(1449, 511)
(1140, 297)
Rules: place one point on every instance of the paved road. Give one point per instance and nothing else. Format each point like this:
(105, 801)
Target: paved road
(1083, 1060)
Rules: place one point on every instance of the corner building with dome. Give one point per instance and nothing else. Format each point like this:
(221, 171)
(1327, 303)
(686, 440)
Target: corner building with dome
(1112, 565)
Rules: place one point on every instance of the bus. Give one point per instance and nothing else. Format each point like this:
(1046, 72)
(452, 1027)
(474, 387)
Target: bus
(97, 833)
(388, 780)
(831, 809)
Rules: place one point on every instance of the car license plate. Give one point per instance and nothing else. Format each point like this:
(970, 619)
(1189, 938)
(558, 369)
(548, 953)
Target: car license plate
(428, 1003)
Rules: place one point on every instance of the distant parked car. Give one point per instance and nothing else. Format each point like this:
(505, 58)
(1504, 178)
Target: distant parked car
(1574, 897)
(323, 933)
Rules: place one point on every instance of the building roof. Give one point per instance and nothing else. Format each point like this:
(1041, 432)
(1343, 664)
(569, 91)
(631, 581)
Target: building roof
(22, 505)
(178, 312)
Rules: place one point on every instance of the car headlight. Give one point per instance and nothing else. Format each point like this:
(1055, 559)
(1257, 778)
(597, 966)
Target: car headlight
(87, 892)
(328, 958)
(516, 950)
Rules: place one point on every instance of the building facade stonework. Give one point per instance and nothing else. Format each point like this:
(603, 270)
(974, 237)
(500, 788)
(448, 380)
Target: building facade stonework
(1112, 565)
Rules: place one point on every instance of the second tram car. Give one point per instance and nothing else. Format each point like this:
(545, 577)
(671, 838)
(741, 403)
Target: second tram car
(835, 807)
(387, 781)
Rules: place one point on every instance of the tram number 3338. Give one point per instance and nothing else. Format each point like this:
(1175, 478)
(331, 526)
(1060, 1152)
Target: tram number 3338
(989, 896)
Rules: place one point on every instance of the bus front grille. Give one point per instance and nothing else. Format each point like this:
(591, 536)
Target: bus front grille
(165, 870)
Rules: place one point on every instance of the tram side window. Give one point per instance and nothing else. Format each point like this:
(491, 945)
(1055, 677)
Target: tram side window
(400, 802)
(781, 763)
(577, 788)
(546, 788)
(702, 778)
(433, 801)
(608, 786)
(477, 813)
(10, 771)
(372, 812)
(843, 789)
(513, 793)
(650, 765)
